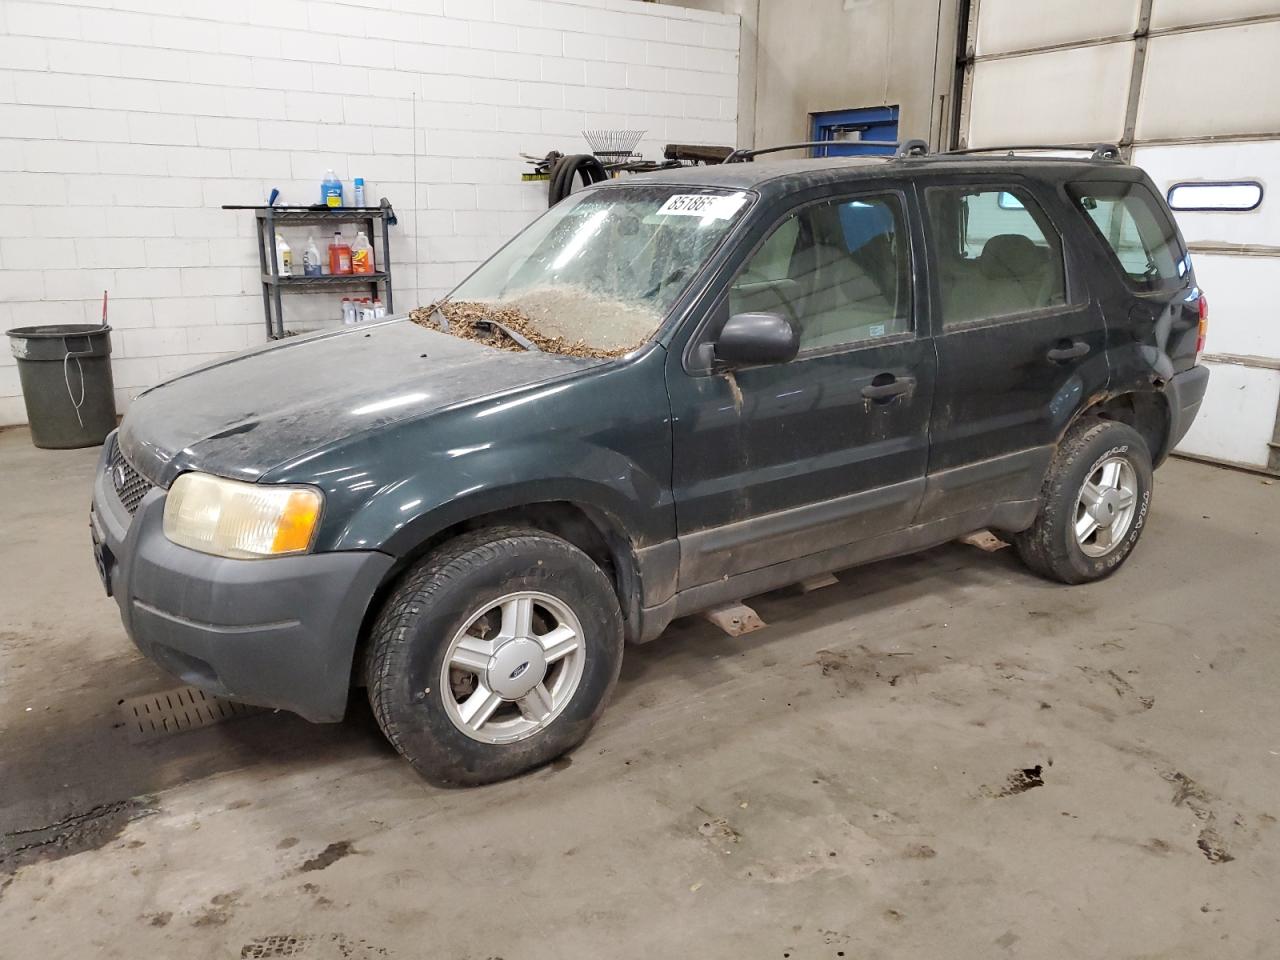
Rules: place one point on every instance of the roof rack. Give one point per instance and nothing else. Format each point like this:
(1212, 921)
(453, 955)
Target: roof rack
(1097, 151)
(910, 148)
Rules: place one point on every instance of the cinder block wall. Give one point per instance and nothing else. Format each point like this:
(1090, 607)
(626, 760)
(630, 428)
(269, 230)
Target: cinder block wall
(126, 124)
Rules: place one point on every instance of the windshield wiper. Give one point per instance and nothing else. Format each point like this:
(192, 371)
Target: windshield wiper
(438, 317)
(518, 338)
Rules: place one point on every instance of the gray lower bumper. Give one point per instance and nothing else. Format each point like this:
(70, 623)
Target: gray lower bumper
(277, 633)
(1185, 392)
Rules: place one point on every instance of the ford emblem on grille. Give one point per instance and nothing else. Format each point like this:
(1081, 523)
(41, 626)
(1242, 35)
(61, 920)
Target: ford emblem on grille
(119, 477)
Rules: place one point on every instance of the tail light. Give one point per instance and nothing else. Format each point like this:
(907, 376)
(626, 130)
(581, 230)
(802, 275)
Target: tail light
(1204, 326)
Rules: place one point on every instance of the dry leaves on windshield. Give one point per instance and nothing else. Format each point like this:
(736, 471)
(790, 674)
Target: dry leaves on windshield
(467, 320)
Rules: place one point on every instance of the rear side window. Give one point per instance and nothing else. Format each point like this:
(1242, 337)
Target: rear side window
(998, 254)
(1132, 223)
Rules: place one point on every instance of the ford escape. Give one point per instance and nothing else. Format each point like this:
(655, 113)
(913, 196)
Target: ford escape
(669, 392)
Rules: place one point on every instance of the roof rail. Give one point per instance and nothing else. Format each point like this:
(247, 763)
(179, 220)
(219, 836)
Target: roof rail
(1097, 151)
(745, 156)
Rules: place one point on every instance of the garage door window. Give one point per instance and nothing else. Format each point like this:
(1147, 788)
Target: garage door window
(1141, 236)
(840, 270)
(1206, 195)
(997, 254)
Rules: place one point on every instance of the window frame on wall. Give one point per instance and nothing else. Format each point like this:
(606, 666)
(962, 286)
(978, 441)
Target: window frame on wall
(912, 314)
(884, 119)
(1031, 204)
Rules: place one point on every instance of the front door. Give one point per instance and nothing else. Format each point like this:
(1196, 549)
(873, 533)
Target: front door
(777, 462)
(1019, 348)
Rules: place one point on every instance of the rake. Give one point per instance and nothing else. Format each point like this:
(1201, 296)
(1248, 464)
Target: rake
(613, 146)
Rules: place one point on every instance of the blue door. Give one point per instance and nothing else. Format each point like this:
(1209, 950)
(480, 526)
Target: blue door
(855, 133)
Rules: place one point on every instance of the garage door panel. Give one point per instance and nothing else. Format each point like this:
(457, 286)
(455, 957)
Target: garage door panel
(1244, 317)
(1237, 417)
(1067, 96)
(1181, 13)
(1009, 25)
(1218, 82)
(1183, 163)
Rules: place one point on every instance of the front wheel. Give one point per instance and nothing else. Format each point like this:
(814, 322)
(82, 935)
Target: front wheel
(1094, 504)
(496, 654)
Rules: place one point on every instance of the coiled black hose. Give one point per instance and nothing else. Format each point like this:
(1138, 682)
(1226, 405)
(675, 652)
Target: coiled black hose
(582, 165)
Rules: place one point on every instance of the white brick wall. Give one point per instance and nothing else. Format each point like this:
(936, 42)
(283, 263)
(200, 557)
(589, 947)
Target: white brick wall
(126, 124)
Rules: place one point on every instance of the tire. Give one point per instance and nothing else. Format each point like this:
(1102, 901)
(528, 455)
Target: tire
(1052, 546)
(422, 708)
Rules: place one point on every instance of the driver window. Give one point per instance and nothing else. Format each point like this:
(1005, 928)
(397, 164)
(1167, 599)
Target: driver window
(840, 270)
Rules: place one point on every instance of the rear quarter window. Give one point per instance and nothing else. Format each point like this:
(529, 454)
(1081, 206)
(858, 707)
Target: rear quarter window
(1135, 227)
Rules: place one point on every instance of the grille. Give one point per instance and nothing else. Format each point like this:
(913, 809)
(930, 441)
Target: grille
(129, 484)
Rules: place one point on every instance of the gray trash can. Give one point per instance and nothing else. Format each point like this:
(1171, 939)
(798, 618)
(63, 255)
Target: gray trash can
(65, 371)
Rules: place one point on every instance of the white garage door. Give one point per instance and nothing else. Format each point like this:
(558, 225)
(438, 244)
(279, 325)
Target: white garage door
(1189, 90)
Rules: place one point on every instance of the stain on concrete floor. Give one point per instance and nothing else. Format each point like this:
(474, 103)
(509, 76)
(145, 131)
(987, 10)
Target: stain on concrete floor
(814, 789)
(74, 833)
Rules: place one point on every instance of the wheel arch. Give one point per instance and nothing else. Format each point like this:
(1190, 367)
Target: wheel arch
(596, 531)
(1146, 411)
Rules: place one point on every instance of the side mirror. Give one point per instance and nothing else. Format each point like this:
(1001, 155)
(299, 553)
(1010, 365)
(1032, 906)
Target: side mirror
(757, 338)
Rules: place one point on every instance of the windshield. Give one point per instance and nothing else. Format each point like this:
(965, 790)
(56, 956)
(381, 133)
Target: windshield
(598, 273)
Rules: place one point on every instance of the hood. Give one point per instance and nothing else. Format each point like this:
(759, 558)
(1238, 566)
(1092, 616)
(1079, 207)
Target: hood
(242, 416)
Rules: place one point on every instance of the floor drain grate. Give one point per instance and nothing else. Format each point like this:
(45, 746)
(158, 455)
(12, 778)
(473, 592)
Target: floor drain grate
(157, 715)
(321, 947)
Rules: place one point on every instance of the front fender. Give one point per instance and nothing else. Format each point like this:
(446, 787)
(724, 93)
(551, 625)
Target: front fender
(601, 440)
(447, 492)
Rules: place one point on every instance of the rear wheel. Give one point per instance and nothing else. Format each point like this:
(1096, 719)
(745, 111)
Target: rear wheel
(1094, 504)
(496, 654)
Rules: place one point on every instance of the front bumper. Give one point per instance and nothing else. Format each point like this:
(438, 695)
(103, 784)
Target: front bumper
(279, 632)
(1185, 392)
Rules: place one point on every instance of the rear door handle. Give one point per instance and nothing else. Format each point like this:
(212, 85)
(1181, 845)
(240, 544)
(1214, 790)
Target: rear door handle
(887, 391)
(1074, 352)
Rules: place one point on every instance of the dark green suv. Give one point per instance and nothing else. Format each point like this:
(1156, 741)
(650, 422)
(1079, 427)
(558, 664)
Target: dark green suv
(669, 392)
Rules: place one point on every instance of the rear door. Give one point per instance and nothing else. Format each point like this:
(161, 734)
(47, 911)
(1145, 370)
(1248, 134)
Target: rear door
(776, 462)
(1020, 343)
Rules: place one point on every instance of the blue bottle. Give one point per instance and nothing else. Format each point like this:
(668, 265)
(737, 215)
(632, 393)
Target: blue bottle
(331, 190)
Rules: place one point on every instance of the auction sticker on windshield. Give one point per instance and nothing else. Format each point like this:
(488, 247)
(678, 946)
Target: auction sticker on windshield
(706, 205)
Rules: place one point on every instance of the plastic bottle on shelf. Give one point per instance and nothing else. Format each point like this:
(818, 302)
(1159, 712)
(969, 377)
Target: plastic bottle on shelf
(366, 310)
(379, 311)
(361, 254)
(339, 255)
(311, 259)
(331, 190)
(359, 191)
(284, 258)
(348, 311)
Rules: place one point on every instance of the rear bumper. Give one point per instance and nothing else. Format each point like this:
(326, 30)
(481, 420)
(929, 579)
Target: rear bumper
(1185, 392)
(277, 633)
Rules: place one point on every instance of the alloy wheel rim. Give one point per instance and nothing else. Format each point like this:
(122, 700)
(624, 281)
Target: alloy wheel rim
(513, 667)
(1106, 507)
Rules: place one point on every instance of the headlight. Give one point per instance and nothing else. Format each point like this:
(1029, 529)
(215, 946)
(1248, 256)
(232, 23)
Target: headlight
(230, 518)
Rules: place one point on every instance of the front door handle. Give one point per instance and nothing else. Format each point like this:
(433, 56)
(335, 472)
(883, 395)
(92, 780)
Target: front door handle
(884, 391)
(1075, 351)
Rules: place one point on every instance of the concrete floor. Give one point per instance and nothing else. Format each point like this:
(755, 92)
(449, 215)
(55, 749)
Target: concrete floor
(848, 782)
